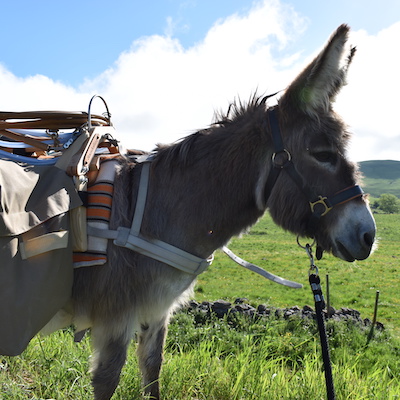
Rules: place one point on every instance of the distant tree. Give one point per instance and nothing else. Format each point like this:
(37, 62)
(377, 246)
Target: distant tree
(374, 204)
(389, 203)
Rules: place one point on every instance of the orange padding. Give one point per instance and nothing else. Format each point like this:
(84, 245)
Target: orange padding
(98, 210)
(100, 201)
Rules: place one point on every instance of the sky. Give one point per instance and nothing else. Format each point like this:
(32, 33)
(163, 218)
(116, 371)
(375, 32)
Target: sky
(166, 66)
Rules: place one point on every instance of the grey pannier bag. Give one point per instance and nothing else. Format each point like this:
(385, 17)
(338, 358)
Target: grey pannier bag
(36, 271)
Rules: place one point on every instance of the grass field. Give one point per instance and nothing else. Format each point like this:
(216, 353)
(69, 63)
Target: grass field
(381, 177)
(269, 360)
(377, 186)
(242, 358)
(352, 285)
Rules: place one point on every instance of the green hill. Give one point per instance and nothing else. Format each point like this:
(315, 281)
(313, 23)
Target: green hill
(381, 176)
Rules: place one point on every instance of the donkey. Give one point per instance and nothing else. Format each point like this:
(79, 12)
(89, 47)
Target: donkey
(213, 185)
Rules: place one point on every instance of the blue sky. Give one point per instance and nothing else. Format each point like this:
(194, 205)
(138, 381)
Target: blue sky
(147, 57)
(69, 41)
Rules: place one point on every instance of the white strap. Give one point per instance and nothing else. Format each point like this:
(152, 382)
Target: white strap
(260, 271)
(155, 249)
(141, 199)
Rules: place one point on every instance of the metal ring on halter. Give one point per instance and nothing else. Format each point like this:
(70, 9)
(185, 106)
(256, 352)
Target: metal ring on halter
(108, 115)
(304, 247)
(283, 164)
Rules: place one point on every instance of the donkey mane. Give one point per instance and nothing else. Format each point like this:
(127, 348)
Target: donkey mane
(239, 110)
(237, 119)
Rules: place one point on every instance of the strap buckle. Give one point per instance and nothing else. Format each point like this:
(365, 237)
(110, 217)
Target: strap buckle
(324, 202)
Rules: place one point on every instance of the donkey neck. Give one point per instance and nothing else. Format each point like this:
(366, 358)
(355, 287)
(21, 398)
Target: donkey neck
(204, 198)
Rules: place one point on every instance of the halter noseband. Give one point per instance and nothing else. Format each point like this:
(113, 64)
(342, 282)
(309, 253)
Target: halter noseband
(282, 159)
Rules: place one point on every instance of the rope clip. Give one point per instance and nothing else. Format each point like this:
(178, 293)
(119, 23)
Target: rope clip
(308, 248)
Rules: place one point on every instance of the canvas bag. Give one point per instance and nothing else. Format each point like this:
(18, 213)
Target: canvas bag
(36, 270)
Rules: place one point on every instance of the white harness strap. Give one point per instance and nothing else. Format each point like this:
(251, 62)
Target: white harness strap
(141, 200)
(153, 248)
(260, 271)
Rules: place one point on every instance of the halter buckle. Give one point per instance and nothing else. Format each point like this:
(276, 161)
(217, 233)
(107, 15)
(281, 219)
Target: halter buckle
(322, 200)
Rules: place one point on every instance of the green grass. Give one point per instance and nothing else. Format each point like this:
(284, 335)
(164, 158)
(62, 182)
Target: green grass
(377, 186)
(352, 285)
(234, 358)
(277, 359)
(242, 358)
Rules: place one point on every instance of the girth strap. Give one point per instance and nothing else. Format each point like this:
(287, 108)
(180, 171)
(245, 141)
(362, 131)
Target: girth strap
(155, 249)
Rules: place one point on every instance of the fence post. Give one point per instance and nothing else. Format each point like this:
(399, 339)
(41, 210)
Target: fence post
(371, 332)
(328, 299)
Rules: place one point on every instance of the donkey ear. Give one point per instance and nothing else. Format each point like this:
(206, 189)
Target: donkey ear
(315, 88)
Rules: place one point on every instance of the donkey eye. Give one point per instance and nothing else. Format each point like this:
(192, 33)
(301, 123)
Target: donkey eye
(325, 157)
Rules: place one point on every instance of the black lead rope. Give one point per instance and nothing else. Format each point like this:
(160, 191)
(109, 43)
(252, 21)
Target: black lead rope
(315, 284)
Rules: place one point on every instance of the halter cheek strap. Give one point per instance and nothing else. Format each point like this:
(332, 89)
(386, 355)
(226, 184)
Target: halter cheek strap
(282, 159)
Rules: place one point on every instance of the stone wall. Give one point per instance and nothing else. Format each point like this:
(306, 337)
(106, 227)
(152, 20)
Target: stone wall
(221, 308)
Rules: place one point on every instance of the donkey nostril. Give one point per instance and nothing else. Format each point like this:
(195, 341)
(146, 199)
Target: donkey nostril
(368, 239)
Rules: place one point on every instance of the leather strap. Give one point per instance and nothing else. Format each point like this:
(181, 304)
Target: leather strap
(48, 120)
(96, 136)
(350, 193)
(34, 142)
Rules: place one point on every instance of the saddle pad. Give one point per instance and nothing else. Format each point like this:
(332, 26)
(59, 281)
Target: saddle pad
(98, 212)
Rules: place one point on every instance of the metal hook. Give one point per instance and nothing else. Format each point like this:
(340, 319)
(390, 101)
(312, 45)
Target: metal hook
(308, 248)
(304, 247)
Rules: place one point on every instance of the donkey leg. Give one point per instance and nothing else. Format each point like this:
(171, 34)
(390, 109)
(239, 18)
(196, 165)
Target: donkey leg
(109, 358)
(150, 354)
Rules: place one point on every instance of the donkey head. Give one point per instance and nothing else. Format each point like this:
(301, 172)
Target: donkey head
(316, 139)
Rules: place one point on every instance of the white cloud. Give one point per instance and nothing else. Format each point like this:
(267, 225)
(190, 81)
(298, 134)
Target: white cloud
(37, 93)
(159, 91)
(369, 103)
